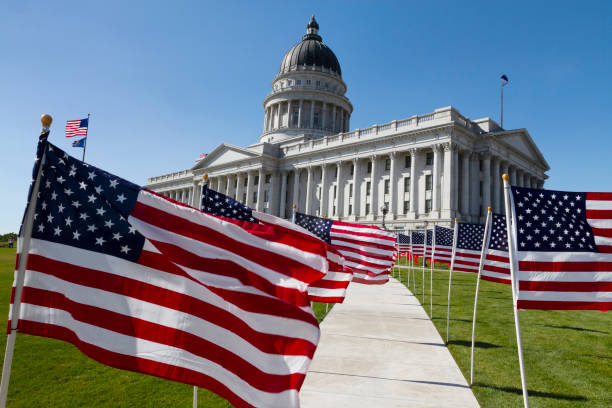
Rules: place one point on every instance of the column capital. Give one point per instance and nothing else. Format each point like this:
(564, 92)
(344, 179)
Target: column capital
(413, 151)
(324, 165)
(485, 155)
(393, 154)
(437, 147)
(450, 146)
(355, 160)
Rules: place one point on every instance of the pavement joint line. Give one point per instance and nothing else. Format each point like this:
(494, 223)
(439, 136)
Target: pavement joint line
(445, 384)
(386, 339)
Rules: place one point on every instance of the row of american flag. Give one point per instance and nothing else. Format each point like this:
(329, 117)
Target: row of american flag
(220, 297)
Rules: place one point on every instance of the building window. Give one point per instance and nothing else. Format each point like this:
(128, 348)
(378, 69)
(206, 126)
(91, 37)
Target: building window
(351, 190)
(318, 83)
(255, 180)
(407, 162)
(246, 182)
(429, 159)
(406, 206)
(335, 191)
(235, 184)
(387, 186)
(266, 196)
(295, 118)
(387, 164)
(327, 85)
(315, 122)
(334, 210)
(369, 167)
(299, 82)
(268, 178)
(266, 210)
(367, 208)
(352, 169)
(406, 184)
(428, 182)
(243, 198)
(427, 206)
(350, 211)
(368, 188)
(290, 82)
(254, 197)
(308, 82)
(336, 172)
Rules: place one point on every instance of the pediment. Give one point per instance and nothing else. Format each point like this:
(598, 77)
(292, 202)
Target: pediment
(225, 154)
(522, 142)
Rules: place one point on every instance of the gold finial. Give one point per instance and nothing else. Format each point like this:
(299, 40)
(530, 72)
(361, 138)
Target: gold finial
(46, 121)
(456, 219)
(505, 177)
(489, 208)
(205, 177)
(294, 206)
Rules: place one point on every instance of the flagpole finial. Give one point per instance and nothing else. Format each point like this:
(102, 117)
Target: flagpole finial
(294, 207)
(205, 177)
(505, 177)
(489, 208)
(456, 219)
(46, 121)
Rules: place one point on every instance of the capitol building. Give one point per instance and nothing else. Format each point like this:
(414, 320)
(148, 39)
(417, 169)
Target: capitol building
(421, 170)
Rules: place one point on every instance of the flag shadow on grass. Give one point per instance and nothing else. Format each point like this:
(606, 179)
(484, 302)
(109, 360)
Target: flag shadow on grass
(575, 328)
(532, 393)
(478, 344)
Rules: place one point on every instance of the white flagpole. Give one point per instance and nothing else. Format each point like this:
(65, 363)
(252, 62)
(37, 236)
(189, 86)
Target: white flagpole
(431, 262)
(411, 271)
(423, 265)
(450, 279)
(485, 244)
(86, 136)
(23, 247)
(293, 213)
(514, 280)
(195, 396)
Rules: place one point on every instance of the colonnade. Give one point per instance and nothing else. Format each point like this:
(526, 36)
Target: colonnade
(299, 113)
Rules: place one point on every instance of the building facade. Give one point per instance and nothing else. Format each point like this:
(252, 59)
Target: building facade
(418, 171)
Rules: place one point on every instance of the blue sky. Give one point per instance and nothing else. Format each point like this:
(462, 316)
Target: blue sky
(165, 81)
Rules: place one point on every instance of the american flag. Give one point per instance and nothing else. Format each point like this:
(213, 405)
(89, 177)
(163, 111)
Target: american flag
(403, 245)
(469, 246)
(367, 250)
(563, 249)
(496, 266)
(443, 241)
(77, 127)
(418, 244)
(330, 289)
(428, 244)
(139, 282)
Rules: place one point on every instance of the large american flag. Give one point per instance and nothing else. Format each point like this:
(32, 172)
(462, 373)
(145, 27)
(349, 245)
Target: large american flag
(443, 241)
(496, 266)
(469, 246)
(77, 127)
(139, 282)
(367, 249)
(329, 289)
(564, 249)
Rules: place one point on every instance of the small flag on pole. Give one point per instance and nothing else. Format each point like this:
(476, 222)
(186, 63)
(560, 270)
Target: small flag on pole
(77, 127)
(504, 80)
(79, 143)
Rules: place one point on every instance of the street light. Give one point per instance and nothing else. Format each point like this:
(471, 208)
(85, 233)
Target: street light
(384, 209)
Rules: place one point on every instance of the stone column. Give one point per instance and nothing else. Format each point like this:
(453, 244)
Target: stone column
(339, 191)
(513, 176)
(265, 128)
(356, 182)
(393, 182)
(341, 128)
(465, 183)
(455, 180)
(435, 193)
(496, 185)
(249, 189)
(260, 191)
(309, 187)
(334, 108)
(194, 194)
(239, 186)
(475, 188)
(413, 182)
(283, 194)
(323, 115)
(275, 187)
(289, 116)
(278, 119)
(228, 184)
(312, 106)
(324, 192)
(296, 189)
(447, 188)
(486, 183)
(300, 113)
(375, 191)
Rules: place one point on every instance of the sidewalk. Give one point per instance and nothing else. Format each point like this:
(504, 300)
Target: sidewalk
(379, 349)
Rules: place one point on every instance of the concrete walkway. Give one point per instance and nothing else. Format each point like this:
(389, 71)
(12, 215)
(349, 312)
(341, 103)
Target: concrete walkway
(379, 349)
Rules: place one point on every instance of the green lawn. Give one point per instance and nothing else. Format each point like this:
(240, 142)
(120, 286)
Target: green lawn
(51, 373)
(568, 354)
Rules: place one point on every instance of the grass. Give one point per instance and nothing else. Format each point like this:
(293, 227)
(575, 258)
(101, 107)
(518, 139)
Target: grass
(51, 373)
(568, 354)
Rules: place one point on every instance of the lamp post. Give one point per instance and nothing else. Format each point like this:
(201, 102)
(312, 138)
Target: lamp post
(384, 209)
